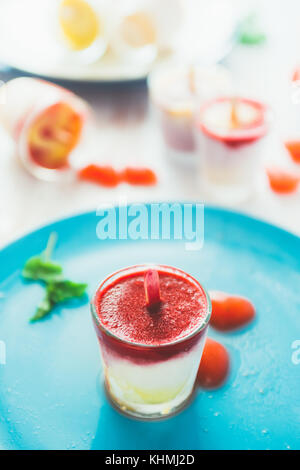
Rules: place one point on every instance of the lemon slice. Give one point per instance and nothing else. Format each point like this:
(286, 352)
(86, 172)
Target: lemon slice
(138, 30)
(79, 23)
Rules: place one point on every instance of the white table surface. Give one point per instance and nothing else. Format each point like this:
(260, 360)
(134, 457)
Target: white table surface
(128, 133)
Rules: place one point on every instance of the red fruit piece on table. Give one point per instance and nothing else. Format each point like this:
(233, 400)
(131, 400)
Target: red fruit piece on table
(103, 175)
(282, 181)
(214, 365)
(152, 288)
(296, 74)
(230, 312)
(293, 147)
(139, 176)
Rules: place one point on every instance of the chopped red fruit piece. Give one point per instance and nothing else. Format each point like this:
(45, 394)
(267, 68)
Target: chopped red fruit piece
(296, 74)
(139, 176)
(152, 288)
(293, 147)
(214, 365)
(282, 181)
(103, 175)
(230, 312)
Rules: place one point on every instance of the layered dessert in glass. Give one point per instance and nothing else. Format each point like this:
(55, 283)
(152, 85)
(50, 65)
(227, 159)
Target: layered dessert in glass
(230, 134)
(150, 348)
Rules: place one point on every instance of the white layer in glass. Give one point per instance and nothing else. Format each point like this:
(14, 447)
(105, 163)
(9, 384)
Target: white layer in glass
(154, 388)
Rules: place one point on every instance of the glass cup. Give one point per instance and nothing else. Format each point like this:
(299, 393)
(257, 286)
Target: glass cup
(148, 381)
(176, 91)
(47, 123)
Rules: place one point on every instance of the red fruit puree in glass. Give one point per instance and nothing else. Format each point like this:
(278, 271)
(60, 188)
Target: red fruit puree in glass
(122, 309)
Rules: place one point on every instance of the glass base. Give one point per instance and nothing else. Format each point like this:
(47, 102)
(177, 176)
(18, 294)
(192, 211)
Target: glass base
(155, 416)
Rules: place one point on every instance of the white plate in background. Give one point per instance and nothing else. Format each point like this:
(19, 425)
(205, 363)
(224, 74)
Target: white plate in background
(27, 41)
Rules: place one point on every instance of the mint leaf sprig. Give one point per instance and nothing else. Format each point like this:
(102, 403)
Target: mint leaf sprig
(58, 290)
(37, 269)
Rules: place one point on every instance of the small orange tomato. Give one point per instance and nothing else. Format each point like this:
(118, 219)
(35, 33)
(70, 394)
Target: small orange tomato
(296, 74)
(214, 365)
(230, 312)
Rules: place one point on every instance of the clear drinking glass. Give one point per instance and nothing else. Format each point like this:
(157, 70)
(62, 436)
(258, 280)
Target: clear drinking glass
(47, 123)
(150, 381)
(229, 160)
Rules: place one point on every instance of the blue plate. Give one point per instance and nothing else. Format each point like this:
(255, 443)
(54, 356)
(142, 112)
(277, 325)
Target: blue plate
(50, 387)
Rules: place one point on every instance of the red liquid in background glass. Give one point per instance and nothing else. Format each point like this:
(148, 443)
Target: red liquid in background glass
(244, 134)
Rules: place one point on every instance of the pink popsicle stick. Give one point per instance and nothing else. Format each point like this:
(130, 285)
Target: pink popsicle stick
(152, 288)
